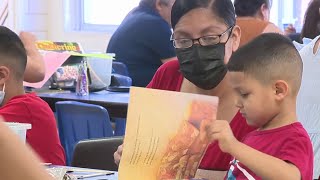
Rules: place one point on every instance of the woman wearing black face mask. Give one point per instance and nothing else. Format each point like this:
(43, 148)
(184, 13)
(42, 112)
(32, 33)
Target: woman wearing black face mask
(205, 35)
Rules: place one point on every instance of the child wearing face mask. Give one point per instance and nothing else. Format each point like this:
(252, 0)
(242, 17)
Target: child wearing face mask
(266, 76)
(16, 106)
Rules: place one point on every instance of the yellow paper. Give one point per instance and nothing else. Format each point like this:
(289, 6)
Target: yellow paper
(162, 134)
(59, 46)
(94, 55)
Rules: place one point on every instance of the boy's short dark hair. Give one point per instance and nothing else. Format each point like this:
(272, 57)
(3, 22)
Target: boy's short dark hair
(268, 57)
(12, 52)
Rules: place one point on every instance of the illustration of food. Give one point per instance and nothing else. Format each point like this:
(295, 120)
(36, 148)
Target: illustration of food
(184, 151)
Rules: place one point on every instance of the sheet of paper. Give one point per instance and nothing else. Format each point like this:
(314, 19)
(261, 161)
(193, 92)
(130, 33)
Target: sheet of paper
(162, 139)
(52, 60)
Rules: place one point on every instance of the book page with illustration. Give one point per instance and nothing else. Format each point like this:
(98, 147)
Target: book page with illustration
(162, 139)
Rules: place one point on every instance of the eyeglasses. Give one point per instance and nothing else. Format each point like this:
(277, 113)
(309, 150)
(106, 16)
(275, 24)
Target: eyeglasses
(204, 40)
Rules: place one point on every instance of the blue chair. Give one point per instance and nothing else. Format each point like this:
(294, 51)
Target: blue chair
(120, 80)
(78, 121)
(120, 68)
(120, 126)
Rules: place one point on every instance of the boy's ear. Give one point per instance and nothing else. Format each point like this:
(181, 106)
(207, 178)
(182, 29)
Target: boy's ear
(281, 89)
(4, 74)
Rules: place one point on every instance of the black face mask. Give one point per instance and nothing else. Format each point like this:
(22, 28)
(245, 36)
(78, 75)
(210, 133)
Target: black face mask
(203, 65)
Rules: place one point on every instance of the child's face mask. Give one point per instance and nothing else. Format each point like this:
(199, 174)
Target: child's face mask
(2, 94)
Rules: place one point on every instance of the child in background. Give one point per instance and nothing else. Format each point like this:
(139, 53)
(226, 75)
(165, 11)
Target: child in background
(266, 75)
(17, 106)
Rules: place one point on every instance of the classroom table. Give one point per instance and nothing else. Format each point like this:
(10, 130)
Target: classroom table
(84, 173)
(115, 102)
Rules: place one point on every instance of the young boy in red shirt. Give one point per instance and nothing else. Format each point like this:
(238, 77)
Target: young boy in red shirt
(266, 75)
(16, 106)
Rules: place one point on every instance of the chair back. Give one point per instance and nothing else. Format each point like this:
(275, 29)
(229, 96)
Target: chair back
(120, 128)
(78, 121)
(295, 37)
(120, 80)
(120, 68)
(97, 153)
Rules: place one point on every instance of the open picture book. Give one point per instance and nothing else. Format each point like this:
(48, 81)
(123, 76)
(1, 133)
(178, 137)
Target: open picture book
(162, 139)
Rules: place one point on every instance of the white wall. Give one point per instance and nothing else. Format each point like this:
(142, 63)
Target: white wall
(14, 16)
(89, 41)
(45, 18)
(34, 17)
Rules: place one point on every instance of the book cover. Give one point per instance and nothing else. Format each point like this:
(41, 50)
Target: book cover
(162, 139)
(59, 46)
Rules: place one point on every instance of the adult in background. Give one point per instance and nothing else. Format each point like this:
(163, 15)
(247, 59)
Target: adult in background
(142, 41)
(35, 68)
(311, 26)
(253, 19)
(308, 101)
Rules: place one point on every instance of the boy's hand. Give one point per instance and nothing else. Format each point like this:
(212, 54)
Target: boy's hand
(117, 155)
(218, 130)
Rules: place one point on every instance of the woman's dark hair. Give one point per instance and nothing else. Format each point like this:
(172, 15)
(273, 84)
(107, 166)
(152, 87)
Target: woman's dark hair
(311, 26)
(221, 8)
(249, 7)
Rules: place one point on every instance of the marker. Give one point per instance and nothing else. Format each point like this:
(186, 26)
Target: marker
(92, 175)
